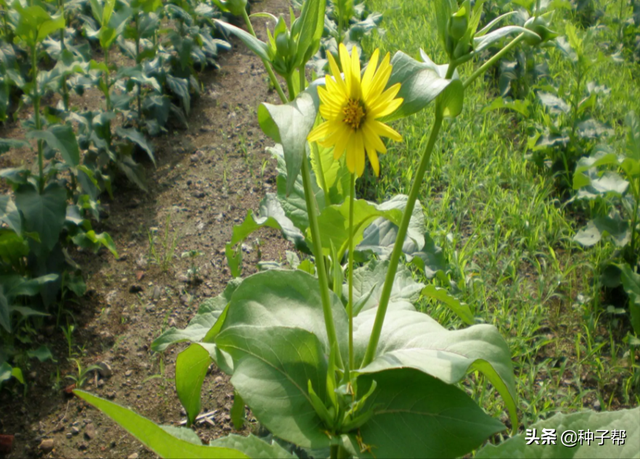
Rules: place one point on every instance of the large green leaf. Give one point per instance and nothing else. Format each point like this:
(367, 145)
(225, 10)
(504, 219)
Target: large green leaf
(136, 137)
(599, 227)
(602, 425)
(368, 281)
(253, 446)
(208, 313)
(35, 24)
(631, 283)
(410, 339)
(334, 224)
(191, 368)
(416, 415)
(270, 215)
(279, 298)
(60, 138)
(44, 213)
(13, 247)
(9, 213)
(153, 436)
(289, 125)
(421, 83)
(273, 368)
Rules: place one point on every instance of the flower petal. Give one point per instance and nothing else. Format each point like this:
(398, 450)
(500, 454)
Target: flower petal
(373, 159)
(385, 131)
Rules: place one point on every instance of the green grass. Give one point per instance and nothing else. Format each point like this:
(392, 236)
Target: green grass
(507, 236)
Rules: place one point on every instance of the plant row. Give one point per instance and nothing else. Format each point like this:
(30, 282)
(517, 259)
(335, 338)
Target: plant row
(143, 57)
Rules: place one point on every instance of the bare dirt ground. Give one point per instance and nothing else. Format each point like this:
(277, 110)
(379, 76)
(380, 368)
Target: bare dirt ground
(207, 177)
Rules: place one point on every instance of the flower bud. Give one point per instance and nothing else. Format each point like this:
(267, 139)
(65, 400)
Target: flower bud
(458, 24)
(283, 44)
(539, 26)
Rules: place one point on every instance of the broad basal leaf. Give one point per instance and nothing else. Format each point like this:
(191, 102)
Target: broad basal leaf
(278, 298)
(416, 415)
(410, 339)
(368, 281)
(273, 367)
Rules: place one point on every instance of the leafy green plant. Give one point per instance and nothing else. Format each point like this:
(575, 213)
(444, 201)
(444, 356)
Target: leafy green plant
(82, 373)
(309, 355)
(614, 200)
(567, 130)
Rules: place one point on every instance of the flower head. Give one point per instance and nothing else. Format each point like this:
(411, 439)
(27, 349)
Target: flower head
(352, 107)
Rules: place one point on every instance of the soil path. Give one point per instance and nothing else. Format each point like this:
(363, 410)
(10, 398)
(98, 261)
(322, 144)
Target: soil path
(207, 177)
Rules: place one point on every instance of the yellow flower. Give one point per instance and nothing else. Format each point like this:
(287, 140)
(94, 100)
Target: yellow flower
(351, 108)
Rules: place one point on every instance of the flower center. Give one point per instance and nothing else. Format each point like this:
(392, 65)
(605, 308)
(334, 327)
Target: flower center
(353, 113)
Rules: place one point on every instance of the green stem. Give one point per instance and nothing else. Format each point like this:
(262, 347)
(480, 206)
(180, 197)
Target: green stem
(267, 64)
(36, 111)
(493, 60)
(397, 248)
(323, 180)
(317, 252)
(352, 192)
(107, 83)
(334, 451)
(290, 87)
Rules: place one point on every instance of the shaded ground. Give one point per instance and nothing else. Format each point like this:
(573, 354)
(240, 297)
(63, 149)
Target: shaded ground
(207, 178)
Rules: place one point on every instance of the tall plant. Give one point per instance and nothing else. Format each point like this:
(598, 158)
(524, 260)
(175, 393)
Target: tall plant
(359, 373)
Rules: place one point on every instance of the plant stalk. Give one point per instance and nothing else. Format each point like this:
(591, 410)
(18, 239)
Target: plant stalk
(267, 64)
(36, 112)
(484, 67)
(352, 192)
(397, 248)
(317, 252)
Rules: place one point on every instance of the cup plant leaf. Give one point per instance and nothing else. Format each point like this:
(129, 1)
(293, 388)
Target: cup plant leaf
(411, 339)
(289, 125)
(600, 424)
(418, 416)
(599, 227)
(421, 83)
(62, 139)
(334, 223)
(155, 437)
(369, 279)
(44, 213)
(258, 47)
(274, 366)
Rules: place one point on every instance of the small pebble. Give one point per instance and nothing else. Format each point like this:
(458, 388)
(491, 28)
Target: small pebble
(47, 445)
